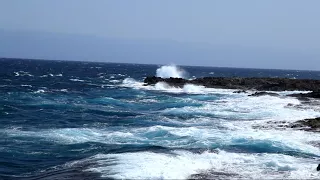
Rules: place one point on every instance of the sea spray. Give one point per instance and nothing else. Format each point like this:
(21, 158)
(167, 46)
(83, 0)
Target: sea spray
(170, 71)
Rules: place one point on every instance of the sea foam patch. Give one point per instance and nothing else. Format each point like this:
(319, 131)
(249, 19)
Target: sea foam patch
(181, 164)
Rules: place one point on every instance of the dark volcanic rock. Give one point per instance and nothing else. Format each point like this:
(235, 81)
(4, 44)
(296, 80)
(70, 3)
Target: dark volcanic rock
(177, 82)
(314, 94)
(307, 124)
(240, 91)
(260, 84)
(264, 94)
(318, 168)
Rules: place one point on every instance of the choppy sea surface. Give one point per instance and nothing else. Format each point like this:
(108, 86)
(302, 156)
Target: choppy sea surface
(85, 120)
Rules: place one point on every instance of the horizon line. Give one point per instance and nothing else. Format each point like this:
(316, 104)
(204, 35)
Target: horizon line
(179, 65)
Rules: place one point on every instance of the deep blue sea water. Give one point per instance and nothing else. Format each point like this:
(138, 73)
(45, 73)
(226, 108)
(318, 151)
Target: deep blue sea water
(85, 120)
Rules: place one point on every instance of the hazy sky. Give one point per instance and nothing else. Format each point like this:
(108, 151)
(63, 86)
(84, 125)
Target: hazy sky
(289, 25)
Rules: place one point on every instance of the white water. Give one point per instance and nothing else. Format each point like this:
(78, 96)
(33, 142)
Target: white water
(170, 71)
(162, 86)
(182, 164)
(204, 132)
(226, 121)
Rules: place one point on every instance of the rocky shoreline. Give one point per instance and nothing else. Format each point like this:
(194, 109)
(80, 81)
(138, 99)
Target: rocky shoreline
(259, 84)
(307, 124)
(243, 84)
(312, 124)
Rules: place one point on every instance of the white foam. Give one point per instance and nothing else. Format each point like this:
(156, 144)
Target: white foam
(190, 88)
(162, 86)
(196, 136)
(23, 73)
(76, 135)
(51, 75)
(170, 71)
(240, 106)
(40, 91)
(114, 81)
(26, 85)
(182, 164)
(187, 88)
(132, 83)
(77, 80)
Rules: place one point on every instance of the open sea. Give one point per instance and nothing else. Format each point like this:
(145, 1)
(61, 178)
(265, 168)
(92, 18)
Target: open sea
(89, 120)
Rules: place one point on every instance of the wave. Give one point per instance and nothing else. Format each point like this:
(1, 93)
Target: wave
(225, 135)
(40, 91)
(183, 163)
(77, 80)
(170, 71)
(23, 73)
(26, 85)
(241, 107)
(162, 86)
(51, 75)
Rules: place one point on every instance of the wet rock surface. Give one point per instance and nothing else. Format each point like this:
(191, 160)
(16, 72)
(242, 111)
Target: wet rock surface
(240, 91)
(260, 84)
(307, 124)
(314, 94)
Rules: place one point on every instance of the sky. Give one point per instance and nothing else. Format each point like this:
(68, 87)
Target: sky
(248, 26)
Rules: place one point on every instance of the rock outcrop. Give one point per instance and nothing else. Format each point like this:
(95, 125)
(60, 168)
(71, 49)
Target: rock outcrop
(263, 93)
(314, 94)
(260, 84)
(307, 124)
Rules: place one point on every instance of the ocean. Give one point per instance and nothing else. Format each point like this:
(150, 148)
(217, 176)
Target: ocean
(93, 120)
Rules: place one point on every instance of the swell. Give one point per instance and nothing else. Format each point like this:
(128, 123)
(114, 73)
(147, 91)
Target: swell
(82, 120)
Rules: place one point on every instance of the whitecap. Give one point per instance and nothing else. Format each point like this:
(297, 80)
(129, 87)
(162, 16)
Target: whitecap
(26, 85)
(39, 91)
(77, 80)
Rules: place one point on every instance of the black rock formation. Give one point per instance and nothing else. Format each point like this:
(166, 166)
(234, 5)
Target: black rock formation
(263, 93)
(307, 124)
(240, 91)
(314, 94)
(260, 84)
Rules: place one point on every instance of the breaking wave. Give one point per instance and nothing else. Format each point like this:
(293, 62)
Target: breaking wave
(170, 71)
